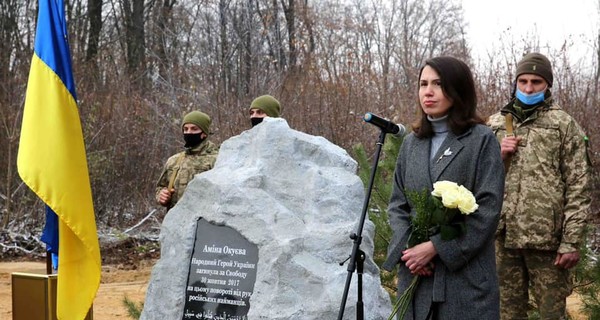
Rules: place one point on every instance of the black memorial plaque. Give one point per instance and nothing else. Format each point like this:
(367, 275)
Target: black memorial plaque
(222, 274)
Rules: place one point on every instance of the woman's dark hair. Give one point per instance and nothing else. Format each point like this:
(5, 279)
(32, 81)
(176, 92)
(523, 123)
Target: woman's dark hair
(458, 86)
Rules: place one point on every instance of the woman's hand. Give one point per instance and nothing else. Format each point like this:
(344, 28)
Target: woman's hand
(418, 258)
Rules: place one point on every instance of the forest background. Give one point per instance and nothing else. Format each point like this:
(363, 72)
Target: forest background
(140, 65)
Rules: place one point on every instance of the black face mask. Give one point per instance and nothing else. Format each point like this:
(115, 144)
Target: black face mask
(256, 121)
(192, 139)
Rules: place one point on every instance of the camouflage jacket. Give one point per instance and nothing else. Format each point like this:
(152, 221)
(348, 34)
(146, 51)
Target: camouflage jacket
(546, 195)
(194, 161)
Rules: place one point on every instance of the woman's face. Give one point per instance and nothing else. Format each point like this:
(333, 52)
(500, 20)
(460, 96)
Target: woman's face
(433, 101)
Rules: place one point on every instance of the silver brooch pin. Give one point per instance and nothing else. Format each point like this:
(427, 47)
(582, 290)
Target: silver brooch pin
(446, 153)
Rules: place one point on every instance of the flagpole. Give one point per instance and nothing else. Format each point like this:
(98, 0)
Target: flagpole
(48, 262)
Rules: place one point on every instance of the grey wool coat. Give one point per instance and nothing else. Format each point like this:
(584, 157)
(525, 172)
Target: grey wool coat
(464, 284)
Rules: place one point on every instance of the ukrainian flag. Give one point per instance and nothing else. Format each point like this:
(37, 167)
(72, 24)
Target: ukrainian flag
(52, 161)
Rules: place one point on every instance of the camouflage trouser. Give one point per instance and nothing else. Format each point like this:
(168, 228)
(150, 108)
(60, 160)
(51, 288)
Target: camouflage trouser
(520, 268)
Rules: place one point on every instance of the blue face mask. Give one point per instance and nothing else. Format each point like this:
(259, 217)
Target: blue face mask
(530, 99)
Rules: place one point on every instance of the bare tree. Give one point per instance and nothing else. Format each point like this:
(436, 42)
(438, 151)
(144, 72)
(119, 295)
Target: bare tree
(133, 15)
(289, 11)
(95, 27)
(17, 20)
(148, 62)
(596, 93)
(225, 66)
(164, 30)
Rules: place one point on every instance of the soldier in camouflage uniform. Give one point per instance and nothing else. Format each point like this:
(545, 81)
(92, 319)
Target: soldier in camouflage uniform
(199, 156)
(546, 196)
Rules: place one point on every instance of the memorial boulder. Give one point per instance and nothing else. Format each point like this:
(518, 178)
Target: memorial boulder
(261, 235)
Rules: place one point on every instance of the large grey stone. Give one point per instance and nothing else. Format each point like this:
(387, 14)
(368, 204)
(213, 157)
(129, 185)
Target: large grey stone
(296, 197)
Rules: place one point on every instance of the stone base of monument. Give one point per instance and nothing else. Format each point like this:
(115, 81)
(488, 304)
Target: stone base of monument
(261, 235)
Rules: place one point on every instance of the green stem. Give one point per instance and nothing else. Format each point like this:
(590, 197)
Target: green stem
(402, 304)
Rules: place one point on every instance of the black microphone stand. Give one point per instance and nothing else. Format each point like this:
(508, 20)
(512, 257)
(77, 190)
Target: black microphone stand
(357, 257)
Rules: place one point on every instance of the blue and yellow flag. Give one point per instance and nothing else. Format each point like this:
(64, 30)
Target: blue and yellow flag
(52, 161)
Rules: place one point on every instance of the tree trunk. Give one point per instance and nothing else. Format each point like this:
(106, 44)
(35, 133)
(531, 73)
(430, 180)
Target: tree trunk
(225, 71)
(163, 24)
(95, 17)
(134, 34)
(289, 11)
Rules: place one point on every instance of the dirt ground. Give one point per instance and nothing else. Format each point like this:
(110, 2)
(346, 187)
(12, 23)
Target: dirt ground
(117, 282)
(129, 280)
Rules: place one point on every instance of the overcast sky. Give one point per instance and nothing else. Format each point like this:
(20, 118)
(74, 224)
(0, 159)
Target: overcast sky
(553, 20)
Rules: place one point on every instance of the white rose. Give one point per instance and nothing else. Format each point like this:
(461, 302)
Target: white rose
(442, 187)
(466, 201)
(450, 199)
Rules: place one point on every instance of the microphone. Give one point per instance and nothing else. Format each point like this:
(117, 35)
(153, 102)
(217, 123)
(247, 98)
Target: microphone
(385, 125)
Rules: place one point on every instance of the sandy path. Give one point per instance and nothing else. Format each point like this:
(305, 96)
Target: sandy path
(118, 282)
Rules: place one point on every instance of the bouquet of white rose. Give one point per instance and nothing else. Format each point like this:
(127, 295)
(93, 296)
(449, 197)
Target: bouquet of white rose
(435, 213)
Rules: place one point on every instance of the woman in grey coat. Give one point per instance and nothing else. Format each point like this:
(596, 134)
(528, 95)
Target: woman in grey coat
(449, 142)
